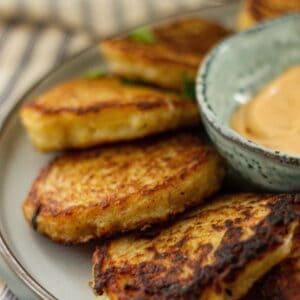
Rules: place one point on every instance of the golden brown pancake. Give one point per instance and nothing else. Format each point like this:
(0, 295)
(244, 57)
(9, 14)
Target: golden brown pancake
(214, 252)
(99, 192)
(254, 11)
(85, 112)
(176, 51)
(283, 281)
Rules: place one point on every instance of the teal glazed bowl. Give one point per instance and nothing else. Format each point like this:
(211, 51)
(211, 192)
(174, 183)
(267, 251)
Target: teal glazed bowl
(232, 73)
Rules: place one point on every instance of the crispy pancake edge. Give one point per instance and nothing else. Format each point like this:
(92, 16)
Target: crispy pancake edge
(282, 282)
(74, 220)
(111, 121)
(283, 213)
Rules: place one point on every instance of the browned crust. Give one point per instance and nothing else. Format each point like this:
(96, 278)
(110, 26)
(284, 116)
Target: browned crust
(178, 43)
(54, 211)
(152, 280)
(263, 9)
(37, 206)
(34, 196)
(283, 281)
(145, 102)
(41, 211)
(112, 104)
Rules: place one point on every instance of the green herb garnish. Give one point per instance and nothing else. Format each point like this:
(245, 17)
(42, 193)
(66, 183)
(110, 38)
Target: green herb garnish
(188, 88)
(95, 73)
(142, 35)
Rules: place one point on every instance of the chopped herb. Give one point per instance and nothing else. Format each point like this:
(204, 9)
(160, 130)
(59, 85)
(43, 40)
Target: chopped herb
(95, 73)
(143, 35)
(188, 88)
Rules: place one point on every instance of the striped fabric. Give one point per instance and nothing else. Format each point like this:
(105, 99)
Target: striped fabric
(36, 35)
(5, 292)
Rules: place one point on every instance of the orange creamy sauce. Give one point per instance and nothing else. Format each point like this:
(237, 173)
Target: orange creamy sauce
(272, 118)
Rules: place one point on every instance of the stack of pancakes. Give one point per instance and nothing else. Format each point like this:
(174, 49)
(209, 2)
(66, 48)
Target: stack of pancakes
(139, 176)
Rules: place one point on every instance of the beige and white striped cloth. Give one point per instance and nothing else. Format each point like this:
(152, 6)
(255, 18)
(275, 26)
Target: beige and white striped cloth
(36, 35)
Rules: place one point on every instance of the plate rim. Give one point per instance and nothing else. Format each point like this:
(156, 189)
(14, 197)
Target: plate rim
(7, 110)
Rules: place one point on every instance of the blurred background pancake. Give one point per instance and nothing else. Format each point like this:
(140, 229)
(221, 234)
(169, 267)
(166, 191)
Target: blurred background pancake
(164, 55)
(254, 11)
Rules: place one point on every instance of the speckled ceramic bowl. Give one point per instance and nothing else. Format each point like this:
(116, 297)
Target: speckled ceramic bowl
(232, 73)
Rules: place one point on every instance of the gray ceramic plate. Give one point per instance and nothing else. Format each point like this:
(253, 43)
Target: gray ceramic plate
(51, 271)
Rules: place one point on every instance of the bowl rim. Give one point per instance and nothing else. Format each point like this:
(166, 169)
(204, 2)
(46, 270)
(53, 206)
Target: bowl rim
(209, 115)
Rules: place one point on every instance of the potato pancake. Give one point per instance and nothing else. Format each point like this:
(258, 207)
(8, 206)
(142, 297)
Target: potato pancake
(87, 112)
(214, 252)
(254, 11)
(99, 192)
(283, 281)
(164, 54)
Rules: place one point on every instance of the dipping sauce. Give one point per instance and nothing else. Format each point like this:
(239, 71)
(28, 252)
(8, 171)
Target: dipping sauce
(272, 118)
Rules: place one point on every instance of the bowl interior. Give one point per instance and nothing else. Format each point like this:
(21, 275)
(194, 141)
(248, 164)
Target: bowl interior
(243, 64)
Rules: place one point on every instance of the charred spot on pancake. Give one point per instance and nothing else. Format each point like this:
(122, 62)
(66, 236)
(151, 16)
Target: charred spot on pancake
(175, 252)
